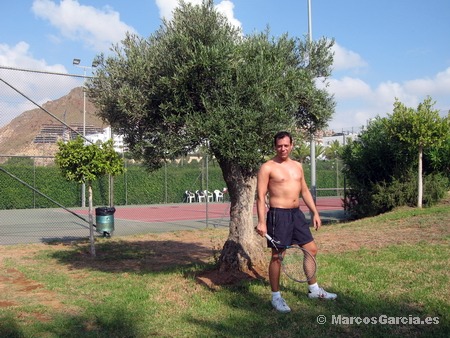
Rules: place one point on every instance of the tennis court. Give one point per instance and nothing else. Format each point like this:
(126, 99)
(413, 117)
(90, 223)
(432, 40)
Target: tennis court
(56, 224)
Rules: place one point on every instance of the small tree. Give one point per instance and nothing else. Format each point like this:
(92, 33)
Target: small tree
(418, 128)
(85, 163)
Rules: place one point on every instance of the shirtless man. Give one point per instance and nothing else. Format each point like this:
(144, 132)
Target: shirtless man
(283, 179)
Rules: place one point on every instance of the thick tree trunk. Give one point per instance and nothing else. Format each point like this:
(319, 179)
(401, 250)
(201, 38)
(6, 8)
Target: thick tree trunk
(243, 250)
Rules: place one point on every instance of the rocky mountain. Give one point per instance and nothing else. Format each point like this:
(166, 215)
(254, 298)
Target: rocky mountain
(34, 132)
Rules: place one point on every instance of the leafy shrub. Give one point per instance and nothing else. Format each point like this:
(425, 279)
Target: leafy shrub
(382, 173)
(435, 188)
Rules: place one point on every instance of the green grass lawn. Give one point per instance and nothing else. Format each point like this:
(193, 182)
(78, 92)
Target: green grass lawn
(395, 273)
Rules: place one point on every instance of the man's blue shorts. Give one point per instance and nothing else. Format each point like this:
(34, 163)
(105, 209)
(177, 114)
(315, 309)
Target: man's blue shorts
(288, 226)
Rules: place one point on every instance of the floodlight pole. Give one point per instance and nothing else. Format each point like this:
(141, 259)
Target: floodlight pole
(76, 63)
(207, 183)
(312, 140)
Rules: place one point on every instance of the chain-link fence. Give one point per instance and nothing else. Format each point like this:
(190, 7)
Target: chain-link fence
(39, 108)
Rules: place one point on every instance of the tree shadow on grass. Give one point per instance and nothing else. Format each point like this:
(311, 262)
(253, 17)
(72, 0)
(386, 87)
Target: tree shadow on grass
(9, 327)
(135, 256)
(106, 322)
(149, 256)
(152, 256)
(388, 318)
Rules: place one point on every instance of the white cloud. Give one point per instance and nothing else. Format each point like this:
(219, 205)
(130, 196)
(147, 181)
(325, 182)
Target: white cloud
(20, 56)
(345, 59)
(349, 87)
(166, 7)
(387, 92)
(226, 7)
(358, 102)
(436, 86)
(98, 29)
(36, 86)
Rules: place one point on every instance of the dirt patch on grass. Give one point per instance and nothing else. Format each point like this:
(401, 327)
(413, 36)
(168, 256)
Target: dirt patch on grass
(145, 253)
(156, 252)
(16, 289)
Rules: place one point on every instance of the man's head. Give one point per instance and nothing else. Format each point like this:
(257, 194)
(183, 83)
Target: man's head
(283, 145)
(280, 135)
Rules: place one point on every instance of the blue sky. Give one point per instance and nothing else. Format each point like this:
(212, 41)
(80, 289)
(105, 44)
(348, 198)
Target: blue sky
(384, 49)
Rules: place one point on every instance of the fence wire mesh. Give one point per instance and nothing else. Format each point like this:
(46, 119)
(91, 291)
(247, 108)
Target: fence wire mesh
(39, 108)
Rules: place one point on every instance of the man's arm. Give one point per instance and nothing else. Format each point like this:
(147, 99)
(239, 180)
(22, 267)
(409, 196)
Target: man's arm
(261, 188)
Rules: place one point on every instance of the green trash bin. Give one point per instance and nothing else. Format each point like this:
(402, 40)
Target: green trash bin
(104, 219)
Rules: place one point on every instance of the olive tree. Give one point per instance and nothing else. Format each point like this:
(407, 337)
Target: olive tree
(197, 81)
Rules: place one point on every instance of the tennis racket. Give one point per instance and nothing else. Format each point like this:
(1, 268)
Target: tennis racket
(297, 263)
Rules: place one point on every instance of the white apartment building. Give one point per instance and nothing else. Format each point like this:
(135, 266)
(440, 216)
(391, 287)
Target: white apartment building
(105, 136)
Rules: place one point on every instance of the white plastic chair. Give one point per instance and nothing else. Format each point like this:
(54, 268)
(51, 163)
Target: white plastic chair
(218, 195)
(200, 196)
(190, 197)
(209, 195)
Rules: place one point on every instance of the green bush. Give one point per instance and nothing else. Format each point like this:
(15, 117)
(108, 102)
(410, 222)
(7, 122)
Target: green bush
(386, 197)
(382, 173)
(435, 187)
(398, 192)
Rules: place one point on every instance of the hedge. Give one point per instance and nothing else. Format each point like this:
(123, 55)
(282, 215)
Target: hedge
(136, 186)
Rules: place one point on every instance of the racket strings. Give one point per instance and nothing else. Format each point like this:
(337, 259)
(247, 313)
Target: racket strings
(309, 265)
(299, 264)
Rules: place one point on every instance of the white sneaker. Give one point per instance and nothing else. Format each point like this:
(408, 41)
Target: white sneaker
(280, 305)
(322, 294)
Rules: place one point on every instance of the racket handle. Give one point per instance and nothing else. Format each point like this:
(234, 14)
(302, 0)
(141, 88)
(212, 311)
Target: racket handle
(275, 243)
